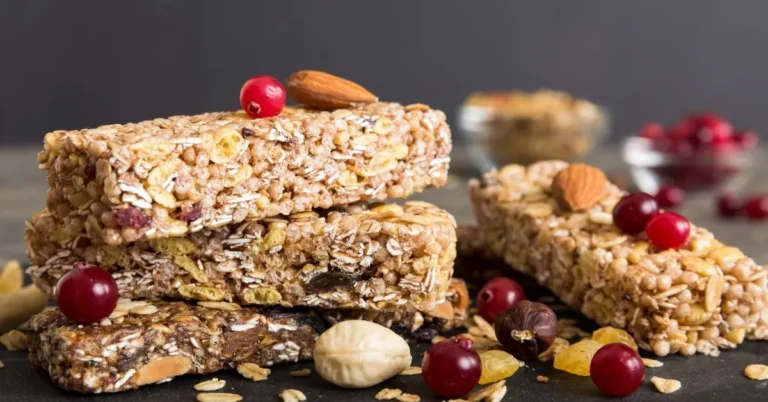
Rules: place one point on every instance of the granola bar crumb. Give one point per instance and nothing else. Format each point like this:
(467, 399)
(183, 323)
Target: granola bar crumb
(219, 397)
(666, 386)
(409, 398)
(756, 372)
(651, 363)
(484, 393)
(2, 365)
(14, 341)
(457, 400)
(556, 347)
(388, 394)
(292, 395)
(210, 385)
(542, 379)
(301, 373)
(486, 329)
(253, 371)
(498, 395)
(413, 370)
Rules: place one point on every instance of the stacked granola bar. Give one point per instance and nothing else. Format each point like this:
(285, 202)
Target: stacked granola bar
(702, 298)
(234, 239)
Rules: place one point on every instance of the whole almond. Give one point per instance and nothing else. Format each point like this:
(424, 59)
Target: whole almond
(579, 186)
(326, 91)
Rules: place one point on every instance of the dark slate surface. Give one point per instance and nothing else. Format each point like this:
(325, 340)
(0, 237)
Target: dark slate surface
(704, 378)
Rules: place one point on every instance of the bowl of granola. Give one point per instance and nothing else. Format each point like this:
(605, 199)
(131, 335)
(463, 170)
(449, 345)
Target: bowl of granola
(519, 127)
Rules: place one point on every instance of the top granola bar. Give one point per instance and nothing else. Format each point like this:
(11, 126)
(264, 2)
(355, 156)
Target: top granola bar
(169, 177)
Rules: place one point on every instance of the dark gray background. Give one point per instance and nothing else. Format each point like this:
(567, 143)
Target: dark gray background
(74, 64)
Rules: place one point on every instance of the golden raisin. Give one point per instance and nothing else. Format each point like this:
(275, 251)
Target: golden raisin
(497, 365)
(576, 358)
(608, 335)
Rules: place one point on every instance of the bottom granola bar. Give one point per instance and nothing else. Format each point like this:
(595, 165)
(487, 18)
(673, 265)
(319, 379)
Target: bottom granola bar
(151, 342)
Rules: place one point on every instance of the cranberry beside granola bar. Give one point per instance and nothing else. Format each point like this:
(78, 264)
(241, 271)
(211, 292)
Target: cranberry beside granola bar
(170, 177)
(702, 297)
(360, 256)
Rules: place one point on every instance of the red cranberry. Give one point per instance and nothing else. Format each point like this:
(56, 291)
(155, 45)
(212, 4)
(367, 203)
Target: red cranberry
(746, 139)
(684, 130)
(711, 128)
(728, 206)
(262, 96)
(498, 295)
(131, 217)
(669, 196)
(756, 207)
(633, 212)
(451, 368)
(668, 230)
(616, 369)
(86, 294)
(651, 130)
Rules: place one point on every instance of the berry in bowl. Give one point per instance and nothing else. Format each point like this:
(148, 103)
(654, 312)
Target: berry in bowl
(702, 152)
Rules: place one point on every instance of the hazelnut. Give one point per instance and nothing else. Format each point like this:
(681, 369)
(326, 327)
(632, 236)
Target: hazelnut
(360, 354)
(526, 329)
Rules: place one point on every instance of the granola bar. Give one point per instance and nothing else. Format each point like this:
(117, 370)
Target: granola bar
(170, 177)
(152, 342)
(360, 256)
(701, 298)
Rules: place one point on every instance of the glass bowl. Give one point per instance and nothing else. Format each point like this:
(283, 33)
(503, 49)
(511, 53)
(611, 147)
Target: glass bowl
(718, 170)
(502, 130)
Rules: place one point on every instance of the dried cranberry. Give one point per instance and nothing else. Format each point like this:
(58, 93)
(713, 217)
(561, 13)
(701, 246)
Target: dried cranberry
(131, 217)
(192, 214)
(651, 130)
(746, 139)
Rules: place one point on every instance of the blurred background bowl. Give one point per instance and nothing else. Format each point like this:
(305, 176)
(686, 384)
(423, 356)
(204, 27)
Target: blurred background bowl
(698, 171)
(501, 134)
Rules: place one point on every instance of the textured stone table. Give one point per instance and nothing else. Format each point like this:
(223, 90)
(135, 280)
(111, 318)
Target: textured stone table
(704, 378)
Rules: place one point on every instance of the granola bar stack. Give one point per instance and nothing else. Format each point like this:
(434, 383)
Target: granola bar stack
(237, 240)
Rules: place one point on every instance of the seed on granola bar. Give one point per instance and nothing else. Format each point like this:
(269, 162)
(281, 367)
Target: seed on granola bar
(664, 385)
(301, 373)
(388, 394)
(210, 385)
(218, 397)
(253, 371)
(292, 395)
(757, 372)
(131, 217)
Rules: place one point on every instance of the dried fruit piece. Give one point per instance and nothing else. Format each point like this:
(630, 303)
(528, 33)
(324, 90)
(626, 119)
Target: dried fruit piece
(579, 186)
(327, 91)
(576, 358)
(264, 295)
(131, 217)
(665, 386)
(193, 292)
(497, 365)
(227, 143)
(608, 335)
(12, 277)
(189, 265)
(173, 246)
(757, 372)
(192, 213)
